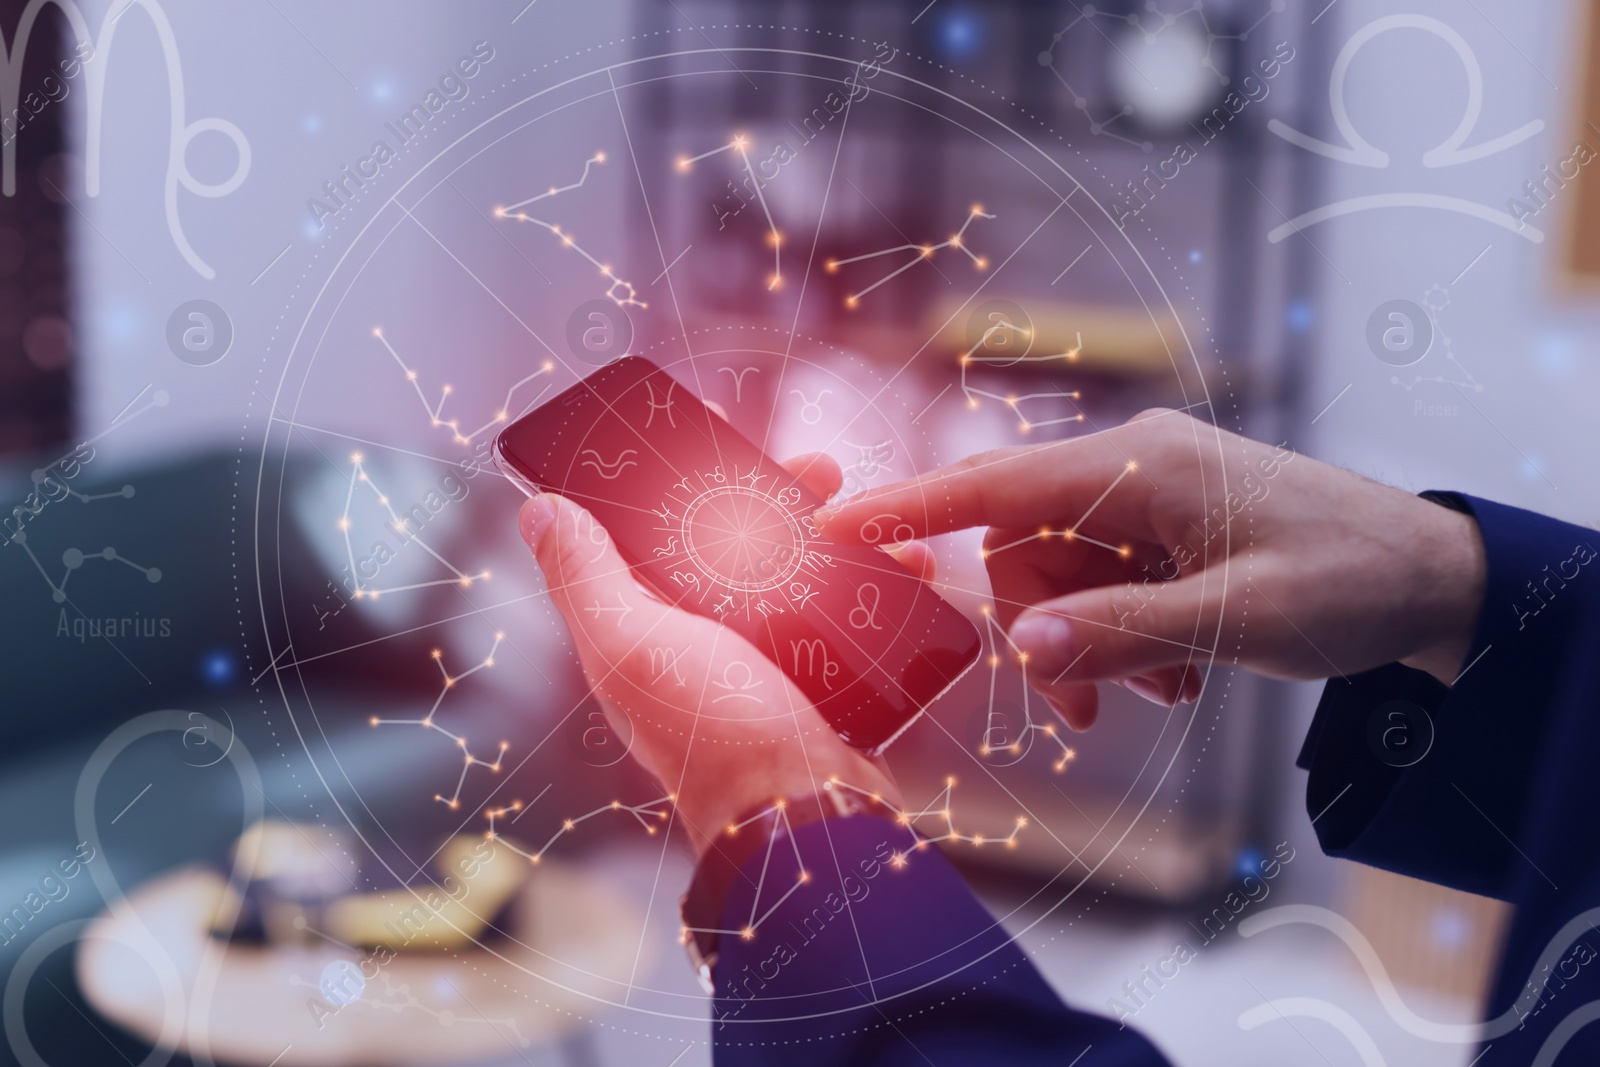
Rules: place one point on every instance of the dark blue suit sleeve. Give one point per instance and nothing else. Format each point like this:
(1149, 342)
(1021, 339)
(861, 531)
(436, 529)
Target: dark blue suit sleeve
(1435, 782)
(865, 949)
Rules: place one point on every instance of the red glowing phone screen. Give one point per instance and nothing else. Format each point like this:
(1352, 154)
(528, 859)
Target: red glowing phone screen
(720, 529)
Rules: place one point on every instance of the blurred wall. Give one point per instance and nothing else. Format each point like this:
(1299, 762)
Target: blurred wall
(1517, 326)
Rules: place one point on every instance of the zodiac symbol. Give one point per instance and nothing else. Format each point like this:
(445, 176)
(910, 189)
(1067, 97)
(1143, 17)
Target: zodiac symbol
(752, 477)
(686, 578)
(621, 611)
(721, 607)
(874, 458)
(802, 594)
(1358, 151)
(612, 470)
(738, 380)
(865, 612)
(662, 405)
(810, 410)
(872, 531)
(816, 655)
(664, 514)
(670, 550)
(595, 533)
(740, 688)
(664, 661)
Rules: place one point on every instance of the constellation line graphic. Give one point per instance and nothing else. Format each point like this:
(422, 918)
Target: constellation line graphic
(741, 144)
(956, 240)
(620, 292)
(436, 411)
(402, 526)
(54, 473)
(654, 809)
(941, 807)
(1072, 533)
(974, 394)
(1436, 299)
(73, 558)
(1019, 745)
(427, 722)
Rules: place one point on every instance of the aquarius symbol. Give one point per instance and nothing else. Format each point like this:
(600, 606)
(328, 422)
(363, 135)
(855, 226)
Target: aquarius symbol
(612, 470)
(865, 612)
(810, 410)
(737, 689)
(656, 406)
(738, 380)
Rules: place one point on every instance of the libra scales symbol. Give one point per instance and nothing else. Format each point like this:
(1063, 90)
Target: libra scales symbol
(1452, 151)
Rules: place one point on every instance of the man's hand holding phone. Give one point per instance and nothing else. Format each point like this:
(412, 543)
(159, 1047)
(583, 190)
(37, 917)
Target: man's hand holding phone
(719, 752)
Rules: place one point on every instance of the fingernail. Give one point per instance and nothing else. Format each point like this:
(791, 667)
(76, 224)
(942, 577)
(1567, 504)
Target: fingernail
(1084, 720)
(535, 518)
(1146, 688)
(1045, 638)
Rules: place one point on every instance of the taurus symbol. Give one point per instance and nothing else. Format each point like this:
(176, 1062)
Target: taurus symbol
(810, 410)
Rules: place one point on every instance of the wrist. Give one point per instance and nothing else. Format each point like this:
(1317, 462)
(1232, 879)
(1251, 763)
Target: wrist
(1451, 575)
(726, 791)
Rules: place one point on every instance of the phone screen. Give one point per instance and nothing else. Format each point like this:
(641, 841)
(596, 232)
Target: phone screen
(713, 525)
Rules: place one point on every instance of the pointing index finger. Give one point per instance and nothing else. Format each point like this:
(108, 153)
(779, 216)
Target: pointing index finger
(1056, 484)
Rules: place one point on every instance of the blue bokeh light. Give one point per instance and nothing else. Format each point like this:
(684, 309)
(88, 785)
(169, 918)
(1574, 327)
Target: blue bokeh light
(1248, 863)
(217, 668)
(960, 34)
(1299, 316)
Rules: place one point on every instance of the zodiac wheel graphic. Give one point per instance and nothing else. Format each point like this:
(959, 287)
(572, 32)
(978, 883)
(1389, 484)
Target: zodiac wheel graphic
(743, 538)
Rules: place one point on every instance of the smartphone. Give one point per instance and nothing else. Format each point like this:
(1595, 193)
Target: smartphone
(711, 524)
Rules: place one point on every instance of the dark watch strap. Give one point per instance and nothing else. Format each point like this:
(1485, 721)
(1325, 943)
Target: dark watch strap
(1446, 499)
(759, 828)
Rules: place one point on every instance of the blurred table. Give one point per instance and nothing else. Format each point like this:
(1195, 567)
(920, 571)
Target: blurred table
(151, 965)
